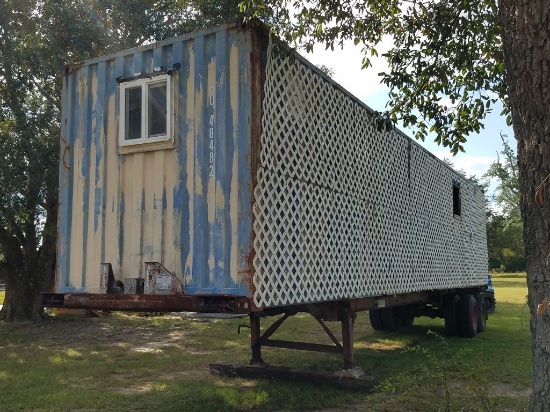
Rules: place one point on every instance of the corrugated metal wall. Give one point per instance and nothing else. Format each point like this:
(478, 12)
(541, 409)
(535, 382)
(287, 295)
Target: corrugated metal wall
(160, 205)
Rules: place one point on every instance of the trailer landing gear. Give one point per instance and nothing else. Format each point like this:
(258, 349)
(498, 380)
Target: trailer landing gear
(349, 377)
(344, 315)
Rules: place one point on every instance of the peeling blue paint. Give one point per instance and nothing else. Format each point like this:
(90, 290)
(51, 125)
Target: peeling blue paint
(164, 201)
(108, 176)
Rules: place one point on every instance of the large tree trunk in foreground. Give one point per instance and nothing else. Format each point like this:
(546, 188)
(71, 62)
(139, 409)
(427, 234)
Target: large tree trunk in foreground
(526, 39)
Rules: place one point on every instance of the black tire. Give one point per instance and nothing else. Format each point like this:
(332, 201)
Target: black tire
(468, 316)
(391, 319)
(482, 312)
(451, 310)
(407, 320)
(407, 316)
(490, 301)
(375, 316)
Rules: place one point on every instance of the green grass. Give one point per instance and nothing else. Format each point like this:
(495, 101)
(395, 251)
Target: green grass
(135, 363)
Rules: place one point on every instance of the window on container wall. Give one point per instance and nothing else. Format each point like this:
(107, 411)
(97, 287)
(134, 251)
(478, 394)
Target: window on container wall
(145, 107)
(456, 199)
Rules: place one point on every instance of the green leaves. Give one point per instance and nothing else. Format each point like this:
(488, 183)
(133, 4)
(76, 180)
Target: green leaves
(504, 224)
(445, 66)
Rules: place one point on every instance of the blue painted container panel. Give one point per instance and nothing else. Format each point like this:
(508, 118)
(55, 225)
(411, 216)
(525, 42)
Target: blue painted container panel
(185, 204)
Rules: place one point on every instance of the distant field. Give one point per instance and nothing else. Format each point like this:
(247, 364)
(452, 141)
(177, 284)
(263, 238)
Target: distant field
(127, 363)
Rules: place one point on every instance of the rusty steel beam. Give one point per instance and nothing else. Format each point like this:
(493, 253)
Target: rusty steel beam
(255, 340)
(271, 330)
(149, 303)
(348, 320)
(329, 333)
(312, 347)
(362, 304)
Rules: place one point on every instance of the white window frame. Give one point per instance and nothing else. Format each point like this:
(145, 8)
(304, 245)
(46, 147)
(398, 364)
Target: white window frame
(144, 83)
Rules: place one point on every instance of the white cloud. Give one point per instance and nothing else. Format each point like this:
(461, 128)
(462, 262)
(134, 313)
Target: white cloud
(347, 63)
(472, 165)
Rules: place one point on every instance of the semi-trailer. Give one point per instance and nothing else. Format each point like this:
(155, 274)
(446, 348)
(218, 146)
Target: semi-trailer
(220, 171)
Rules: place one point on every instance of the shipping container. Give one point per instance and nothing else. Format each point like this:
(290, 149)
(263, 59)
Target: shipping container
(217, 171)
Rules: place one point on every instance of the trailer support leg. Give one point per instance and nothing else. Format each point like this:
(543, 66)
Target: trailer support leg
(255, 340)
(344, 314)
(347, 319)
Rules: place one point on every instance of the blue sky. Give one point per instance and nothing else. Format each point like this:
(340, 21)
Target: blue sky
(481, 150)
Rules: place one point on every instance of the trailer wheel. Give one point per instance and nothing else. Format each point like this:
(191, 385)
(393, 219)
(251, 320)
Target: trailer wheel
(375, 316)
(450, 314)
(468, 316)
(391, 319)
(482, 312)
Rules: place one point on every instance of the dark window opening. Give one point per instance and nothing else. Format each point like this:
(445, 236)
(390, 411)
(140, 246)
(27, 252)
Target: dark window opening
(456, 199)
(133, 113)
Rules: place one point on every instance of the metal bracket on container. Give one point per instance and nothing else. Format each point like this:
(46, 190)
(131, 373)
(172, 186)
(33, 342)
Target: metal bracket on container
(160, 281)
(158, 71)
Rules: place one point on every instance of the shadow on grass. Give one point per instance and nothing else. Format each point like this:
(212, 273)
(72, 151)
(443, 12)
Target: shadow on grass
(161, 363)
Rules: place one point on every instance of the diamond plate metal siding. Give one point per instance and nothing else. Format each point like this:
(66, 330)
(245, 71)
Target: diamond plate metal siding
(346, 211)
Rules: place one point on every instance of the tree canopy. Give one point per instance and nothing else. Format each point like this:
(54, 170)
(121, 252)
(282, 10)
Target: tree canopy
(445, 69)
(504, 225)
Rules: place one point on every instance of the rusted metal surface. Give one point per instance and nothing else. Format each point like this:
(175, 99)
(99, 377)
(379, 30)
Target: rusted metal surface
(255, 340)
(159, 280)
(307, 346)
(148, 303)
(362, 304)
(257, 81)
(328, 332)
(348, 320)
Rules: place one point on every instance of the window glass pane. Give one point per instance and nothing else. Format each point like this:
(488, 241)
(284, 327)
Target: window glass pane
(133, 113)
(157, 109)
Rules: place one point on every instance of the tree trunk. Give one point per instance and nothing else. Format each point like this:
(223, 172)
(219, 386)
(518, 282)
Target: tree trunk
(23, 300)
(525, 32)
(27, 275)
